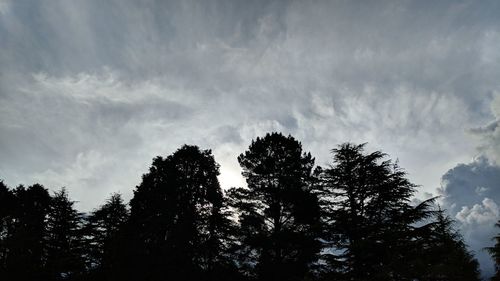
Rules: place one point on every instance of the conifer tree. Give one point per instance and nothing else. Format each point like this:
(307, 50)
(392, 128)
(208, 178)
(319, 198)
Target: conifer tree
(103, 230)
(444, 254)
(371, 222)
(495, 254)
(65, 245)
(279, 211)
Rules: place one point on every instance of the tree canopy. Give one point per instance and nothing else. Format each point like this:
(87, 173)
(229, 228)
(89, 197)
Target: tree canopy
(495, 254)
(176, 217)
(370, 220)
(279, 214)
(356, 219)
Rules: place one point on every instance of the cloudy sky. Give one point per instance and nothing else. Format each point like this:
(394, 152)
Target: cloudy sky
(91, 91)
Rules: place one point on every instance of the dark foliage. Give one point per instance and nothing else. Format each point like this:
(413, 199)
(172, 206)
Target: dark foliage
(6, 224)
(495, 254)
(26, 232)
(103, 237)
(65, 245)
(177, 220)
(373, 230)
(354, 220)
(444, 255)
(278, 213)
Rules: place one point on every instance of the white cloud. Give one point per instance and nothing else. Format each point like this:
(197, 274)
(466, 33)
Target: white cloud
(485, 213)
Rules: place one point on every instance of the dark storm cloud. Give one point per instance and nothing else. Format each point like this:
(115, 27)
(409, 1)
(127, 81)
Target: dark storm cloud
(469, 184)
(471, 194)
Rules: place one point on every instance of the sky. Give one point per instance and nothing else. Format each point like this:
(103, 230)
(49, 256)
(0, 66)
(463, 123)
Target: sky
(91, 91)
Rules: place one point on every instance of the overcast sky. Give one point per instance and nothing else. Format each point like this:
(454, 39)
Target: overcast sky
(91, 91)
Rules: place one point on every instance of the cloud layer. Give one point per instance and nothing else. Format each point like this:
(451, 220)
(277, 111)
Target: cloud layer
(90, 92)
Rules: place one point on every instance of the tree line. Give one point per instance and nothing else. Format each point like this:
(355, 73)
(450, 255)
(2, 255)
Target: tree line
(351, 220)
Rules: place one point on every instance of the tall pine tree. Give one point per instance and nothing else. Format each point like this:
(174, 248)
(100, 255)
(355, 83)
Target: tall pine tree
(371, 222)
(279, 211)
(65, 245)
(104, 227)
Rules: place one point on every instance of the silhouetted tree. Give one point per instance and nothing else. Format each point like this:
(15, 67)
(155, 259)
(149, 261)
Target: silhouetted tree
(103, 228)
(65, 244)
(372, 225)
(278, 213)
(7, 201)
(495, 254)
(26, 245)
(177, 221)
(445, 256)
(354, 220)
